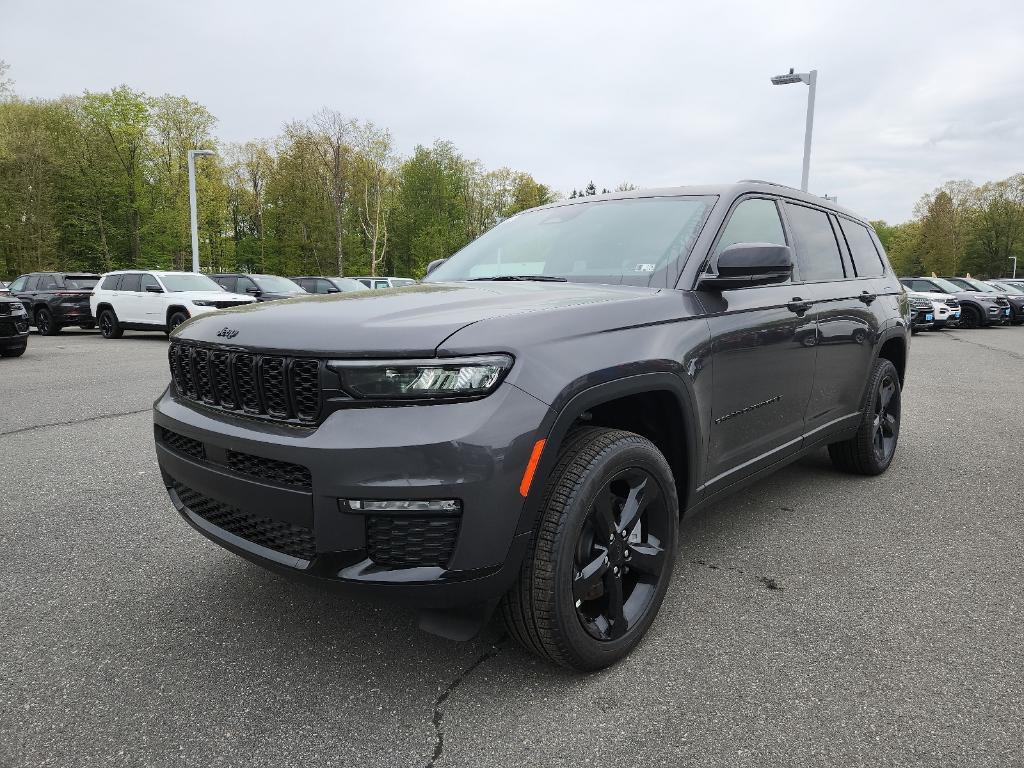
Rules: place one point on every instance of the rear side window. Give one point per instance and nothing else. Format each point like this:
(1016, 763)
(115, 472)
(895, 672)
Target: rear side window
(132, 282)
(866, 260)
(110, 283)
(817, 252)
(81, 282)
(753, 221)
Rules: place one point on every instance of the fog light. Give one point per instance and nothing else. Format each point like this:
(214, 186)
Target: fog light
(404, 505)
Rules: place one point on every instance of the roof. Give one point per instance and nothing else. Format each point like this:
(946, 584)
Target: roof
(742, 187)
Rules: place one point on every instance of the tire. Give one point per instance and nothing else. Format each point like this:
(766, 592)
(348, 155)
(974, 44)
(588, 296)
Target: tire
(176, 319)
(562, 605)
(969, 317)
(109, 326)
(13, 351)
(45, 323)
(870, 451)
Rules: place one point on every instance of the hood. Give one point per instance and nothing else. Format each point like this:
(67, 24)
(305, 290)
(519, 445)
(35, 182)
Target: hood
(930, 295)
(278, 295)
(409, 322)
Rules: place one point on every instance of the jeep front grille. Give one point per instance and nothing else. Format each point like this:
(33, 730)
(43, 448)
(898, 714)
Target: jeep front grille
(272, 386)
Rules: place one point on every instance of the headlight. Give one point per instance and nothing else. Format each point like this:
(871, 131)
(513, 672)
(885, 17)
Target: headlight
(452, 378)
(204, 303)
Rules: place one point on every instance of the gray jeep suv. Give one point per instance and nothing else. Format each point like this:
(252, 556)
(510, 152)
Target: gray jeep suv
(523, 430)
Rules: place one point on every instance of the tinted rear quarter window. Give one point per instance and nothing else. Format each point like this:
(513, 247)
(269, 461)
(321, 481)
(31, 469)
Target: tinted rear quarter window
(866, 260)
(110, 282)
(817, 252)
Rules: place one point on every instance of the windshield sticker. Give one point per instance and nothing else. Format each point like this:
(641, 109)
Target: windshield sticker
(643, 268)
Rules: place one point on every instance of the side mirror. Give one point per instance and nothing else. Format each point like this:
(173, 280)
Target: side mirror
(332, 289)
(154, 289)
(434, 265)
(254, 291)
(748, 264)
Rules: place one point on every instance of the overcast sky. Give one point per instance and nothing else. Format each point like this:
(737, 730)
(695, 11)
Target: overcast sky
(909, 95)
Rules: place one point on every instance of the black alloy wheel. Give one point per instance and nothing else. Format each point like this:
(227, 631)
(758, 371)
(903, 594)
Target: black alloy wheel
(870, 451)
(886, 422)
(600, 559)
(109, 327)
(45, 324)
(969, 317)
(620, 554)
(175, 320)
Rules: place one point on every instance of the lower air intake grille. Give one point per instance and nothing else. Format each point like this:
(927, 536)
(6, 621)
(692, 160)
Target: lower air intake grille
(281, 472)
(273, 534)
(411, 542)
(183, 445)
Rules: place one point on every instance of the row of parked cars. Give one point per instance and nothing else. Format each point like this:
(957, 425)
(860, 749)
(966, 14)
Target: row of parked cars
(150, 300)
(937, 302)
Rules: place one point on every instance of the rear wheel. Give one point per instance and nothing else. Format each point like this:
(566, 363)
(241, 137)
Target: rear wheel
(45, 323)
(13, 351)
(601, 558)
(870, 451)
(109, 327)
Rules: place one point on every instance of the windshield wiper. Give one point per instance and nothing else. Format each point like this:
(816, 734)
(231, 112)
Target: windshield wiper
(537, 278)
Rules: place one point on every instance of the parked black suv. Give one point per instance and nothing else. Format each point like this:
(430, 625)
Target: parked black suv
(263, 287)
(525, 428)
(56, 299)
(13, 327)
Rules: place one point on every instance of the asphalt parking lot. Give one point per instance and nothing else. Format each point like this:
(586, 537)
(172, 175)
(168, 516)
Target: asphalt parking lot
(815, 619)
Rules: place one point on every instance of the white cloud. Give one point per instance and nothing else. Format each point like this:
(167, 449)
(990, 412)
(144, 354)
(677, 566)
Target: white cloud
(650, 92)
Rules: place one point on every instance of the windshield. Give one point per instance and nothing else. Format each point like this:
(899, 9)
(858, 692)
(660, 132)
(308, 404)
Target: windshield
(348, 284)
(947, 286)
(1009, 288)
(80, 281)
(609, 238)
(275, 284)
(978, 285)
(398, 282)
(190, 282)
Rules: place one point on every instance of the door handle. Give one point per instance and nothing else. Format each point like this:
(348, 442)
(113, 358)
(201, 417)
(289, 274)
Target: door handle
(866, 297)
(798, 306)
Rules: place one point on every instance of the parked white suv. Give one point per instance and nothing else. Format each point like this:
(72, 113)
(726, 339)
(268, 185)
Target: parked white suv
(155, 301)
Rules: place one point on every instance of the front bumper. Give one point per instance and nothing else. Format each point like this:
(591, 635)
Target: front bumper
(474, 452)
(14, 330)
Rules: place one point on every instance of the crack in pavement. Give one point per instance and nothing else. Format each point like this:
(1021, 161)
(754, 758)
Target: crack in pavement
(1014, 355)
(769, 582)
(72, 423)
(438, 716)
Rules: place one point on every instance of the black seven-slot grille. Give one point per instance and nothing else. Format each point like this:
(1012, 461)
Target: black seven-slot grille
(410, 542)
(272, 470)
(270, 386)
(280, 536)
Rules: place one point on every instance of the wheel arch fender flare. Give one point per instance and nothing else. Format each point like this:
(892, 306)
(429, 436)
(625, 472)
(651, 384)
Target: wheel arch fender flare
(175, 308)
(575, 405)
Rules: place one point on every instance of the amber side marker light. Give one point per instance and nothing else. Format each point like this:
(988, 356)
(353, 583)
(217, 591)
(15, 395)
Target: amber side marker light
(531, 467)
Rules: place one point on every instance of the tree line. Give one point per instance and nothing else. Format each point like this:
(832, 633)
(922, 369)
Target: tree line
(99, 181)
(961, 228)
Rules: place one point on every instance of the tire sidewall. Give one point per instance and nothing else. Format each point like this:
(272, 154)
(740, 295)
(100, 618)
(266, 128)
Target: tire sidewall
(593, 653)
(882, 369)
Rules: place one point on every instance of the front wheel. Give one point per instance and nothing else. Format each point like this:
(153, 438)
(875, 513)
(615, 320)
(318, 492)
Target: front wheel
(969, 318)
(601, 557)
(175, 320)
(870, 450)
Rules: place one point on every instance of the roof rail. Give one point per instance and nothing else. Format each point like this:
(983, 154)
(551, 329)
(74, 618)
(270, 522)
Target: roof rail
(771, 183)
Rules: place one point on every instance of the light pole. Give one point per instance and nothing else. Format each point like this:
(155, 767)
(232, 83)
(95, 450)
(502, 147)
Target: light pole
(811, 80)
(192, 202)
(1014, 265)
